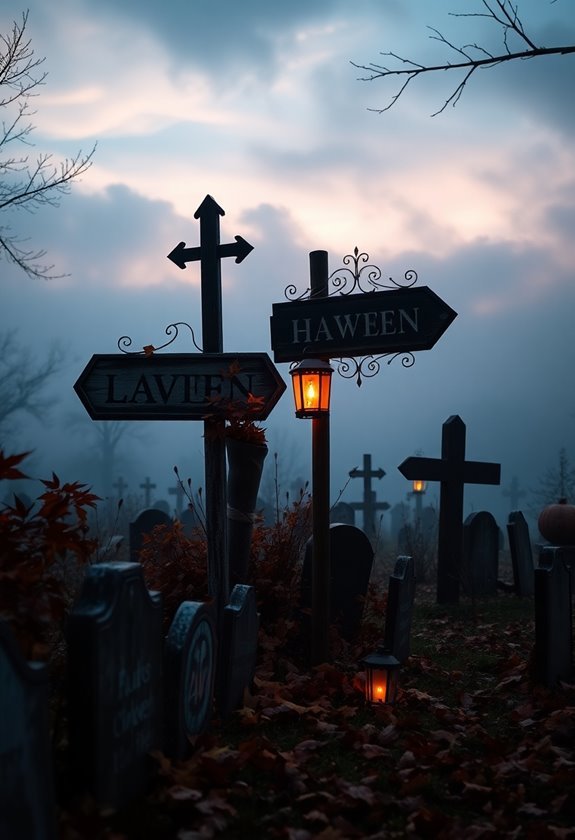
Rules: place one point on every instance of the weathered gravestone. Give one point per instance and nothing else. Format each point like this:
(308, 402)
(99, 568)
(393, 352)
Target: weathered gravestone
(480, 561)
(144, 523)
(521, 554)
(453, 472)
(191, 523)
(553, 614)
(26, 786)
(351, 562)
(342, 513)
(238, 648)
(400, 599)
(115, 682)
(189, 673)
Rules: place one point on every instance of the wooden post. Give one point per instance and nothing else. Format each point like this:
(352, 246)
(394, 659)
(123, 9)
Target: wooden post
(321, 561)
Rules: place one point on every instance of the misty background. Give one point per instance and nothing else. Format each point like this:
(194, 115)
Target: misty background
(257, 104)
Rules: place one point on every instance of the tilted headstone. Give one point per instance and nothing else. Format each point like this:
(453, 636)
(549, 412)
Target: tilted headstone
(480, 565)
(521, 554)
(115, 682)
(400, 600)
(144, 523)
(342, 513)
(27, 807)
(189, 673)
(191, 523)
(238, 651)
(553, 615)
(351, 556)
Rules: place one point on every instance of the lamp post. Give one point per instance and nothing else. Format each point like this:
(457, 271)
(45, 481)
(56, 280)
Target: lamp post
(311, 379)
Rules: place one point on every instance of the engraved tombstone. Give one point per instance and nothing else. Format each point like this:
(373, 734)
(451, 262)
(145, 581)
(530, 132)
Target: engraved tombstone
(26, 783)
(189, 671)
(115, 686)
(342, 513)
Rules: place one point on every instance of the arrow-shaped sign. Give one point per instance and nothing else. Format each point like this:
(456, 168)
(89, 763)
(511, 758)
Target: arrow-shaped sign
(359, 325)
(179, 386)
(238, 249)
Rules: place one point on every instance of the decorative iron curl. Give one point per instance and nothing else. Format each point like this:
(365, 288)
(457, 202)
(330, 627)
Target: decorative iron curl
(356, 277)
(290, 292)
(369, 366)
(125, 341)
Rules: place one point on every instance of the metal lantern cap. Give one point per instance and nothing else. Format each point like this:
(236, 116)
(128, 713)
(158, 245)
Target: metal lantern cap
(311, 380)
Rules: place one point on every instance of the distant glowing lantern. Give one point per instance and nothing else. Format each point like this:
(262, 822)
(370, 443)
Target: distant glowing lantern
(382, 677)
(311, 380)
(419, 486)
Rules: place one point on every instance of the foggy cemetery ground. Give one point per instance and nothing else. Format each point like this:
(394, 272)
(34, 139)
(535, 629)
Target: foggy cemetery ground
(472, 747)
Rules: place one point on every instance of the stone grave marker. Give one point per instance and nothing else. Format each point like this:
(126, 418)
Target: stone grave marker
(26, 776)
(553, 614)
(191, 523)
(342, 513)
(238, 651)
(189, 673)
(521, 554)
(144, 523)
(351, 562)
(480, 561)
(400, 599)
(115, 688)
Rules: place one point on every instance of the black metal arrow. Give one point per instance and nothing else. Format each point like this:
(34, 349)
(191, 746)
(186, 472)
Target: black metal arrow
(238, 249)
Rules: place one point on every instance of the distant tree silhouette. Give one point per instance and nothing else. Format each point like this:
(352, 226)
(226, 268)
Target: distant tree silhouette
(23, 380)
(556, 483)
(470, 57)
(25, 183)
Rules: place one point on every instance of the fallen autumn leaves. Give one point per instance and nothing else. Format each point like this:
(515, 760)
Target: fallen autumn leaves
(472, 749)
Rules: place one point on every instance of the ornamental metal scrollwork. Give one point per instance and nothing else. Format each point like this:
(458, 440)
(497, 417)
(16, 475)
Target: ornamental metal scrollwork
(125, 341)
(355, 277)
(368, 366)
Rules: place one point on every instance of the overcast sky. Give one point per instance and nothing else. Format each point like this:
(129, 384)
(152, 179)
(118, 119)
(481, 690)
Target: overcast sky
(258, 104)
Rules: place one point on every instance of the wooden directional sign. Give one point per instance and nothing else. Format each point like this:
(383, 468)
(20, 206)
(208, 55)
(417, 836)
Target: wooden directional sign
(359, 325)
(177, 386)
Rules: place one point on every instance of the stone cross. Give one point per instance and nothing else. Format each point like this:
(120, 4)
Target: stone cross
(121, 486)
(179, 493)
(147, 487)
(514, 493)
(453, 472)
(369, 504)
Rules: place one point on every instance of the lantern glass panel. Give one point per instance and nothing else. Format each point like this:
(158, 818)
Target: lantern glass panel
(418, 486)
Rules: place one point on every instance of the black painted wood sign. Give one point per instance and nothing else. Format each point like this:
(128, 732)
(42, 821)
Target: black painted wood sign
(357, 325)
(178, 386)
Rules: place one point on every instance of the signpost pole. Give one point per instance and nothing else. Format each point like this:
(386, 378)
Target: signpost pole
(214, 442)
(321, 565)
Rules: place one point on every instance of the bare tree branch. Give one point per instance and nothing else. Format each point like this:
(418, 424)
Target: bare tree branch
(474, 57)
(25, 184)
(23, 379)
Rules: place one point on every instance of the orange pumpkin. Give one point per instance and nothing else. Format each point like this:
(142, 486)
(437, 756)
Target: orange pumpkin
(557, 523)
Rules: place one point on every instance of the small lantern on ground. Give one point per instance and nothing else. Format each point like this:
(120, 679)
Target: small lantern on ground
(311, 380)
(382, 677)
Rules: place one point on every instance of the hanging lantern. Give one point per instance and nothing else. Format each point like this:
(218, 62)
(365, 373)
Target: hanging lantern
(311, 380)
(419, 486)
(382, 677)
